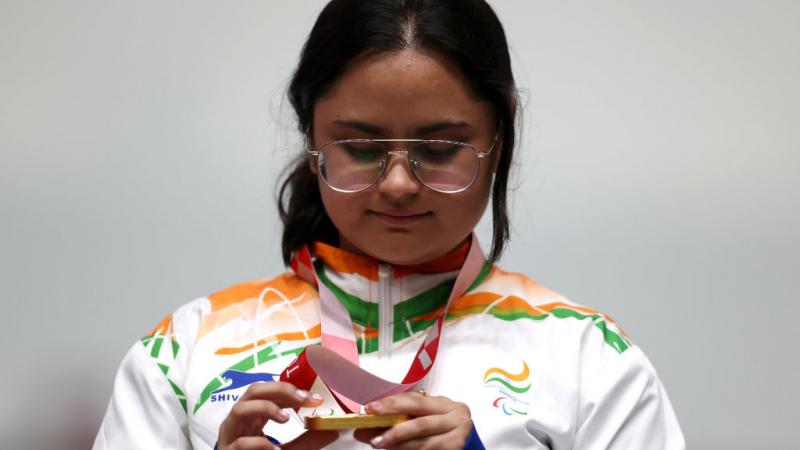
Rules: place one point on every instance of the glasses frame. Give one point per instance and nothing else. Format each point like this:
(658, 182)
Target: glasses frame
(480, 154)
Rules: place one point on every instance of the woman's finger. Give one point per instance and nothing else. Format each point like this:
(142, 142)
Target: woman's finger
(366, 435)
(311, 440)
(415, 404)
(261, 403)
(415, 429)
(258, 410)
(252, 443)
(414, 444)
(454, 440)
(283, 394)
(241, 421)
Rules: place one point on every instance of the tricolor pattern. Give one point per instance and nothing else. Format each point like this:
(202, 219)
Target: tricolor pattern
(283, 313)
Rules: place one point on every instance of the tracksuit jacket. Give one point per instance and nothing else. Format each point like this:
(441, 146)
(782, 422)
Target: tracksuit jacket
(536, 370)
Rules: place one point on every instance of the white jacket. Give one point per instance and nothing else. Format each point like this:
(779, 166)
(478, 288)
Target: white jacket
(536, 370)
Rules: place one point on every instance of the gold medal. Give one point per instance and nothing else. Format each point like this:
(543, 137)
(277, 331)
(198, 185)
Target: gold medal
(347, 421)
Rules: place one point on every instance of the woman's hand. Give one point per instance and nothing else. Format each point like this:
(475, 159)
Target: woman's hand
(263, 402)
(437, 423)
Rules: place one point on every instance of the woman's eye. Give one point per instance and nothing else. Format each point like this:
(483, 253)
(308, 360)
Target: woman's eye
(363, 153)
(437, 152)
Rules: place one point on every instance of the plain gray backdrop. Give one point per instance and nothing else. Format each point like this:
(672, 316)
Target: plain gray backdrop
(657, 181)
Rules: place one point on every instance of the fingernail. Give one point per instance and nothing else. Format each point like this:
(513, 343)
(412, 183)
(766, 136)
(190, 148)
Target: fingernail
(315, 396)
(376, 405)
(376, 441)
(302, 394)
(284, 416)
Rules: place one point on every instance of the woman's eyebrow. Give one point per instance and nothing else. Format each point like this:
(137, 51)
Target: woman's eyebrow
(423, 130)
(442, 125)
(361, 126)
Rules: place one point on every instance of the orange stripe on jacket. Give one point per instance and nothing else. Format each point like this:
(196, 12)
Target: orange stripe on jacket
(163, 327)
(289, 284)
(243, 299)
(312, 333)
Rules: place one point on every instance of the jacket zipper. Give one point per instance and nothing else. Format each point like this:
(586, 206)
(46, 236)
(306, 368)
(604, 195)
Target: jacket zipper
(385, 311)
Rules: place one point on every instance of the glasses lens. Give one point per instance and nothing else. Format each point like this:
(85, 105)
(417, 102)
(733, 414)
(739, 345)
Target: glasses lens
(444, 166)
(352, 166)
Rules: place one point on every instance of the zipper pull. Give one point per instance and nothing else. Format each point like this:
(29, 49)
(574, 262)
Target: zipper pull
(384, 270)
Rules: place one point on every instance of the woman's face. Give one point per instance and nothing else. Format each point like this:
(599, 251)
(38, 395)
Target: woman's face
(409, 94)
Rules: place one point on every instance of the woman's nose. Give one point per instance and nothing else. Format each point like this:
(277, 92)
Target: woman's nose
(398, 180)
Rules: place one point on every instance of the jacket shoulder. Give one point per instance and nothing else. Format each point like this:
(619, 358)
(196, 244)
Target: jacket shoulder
(503, 282)
(513, 296)
(192, 320)
(285, 286)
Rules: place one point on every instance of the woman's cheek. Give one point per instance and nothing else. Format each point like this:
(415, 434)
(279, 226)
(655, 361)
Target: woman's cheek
(344, 210)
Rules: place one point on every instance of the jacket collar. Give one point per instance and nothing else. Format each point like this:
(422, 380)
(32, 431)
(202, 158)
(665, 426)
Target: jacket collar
(416, 294)
(346, 262)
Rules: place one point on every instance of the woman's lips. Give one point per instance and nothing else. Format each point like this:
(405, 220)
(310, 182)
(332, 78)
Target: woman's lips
(399, 218)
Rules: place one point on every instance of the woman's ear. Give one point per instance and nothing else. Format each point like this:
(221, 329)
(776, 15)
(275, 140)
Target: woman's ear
(499, 144)
(496, 156)
(312, 164)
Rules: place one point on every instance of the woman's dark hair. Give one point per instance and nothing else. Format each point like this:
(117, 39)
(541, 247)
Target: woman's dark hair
(466, 32)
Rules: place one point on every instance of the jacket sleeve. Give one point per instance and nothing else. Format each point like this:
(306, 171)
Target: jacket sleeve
(148, 406)
(623, 405)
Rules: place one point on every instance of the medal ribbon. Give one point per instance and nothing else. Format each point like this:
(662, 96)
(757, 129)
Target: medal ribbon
(336, 361)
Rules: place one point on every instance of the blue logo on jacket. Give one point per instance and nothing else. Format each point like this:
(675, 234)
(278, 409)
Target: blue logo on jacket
(239, 380)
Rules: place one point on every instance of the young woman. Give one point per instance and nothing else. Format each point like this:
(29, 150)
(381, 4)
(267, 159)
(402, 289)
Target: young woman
(408, 107)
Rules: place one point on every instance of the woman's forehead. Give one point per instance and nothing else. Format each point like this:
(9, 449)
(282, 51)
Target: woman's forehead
(417, 88)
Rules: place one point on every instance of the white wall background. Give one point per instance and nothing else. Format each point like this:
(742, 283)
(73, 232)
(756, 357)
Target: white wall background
(140, 143)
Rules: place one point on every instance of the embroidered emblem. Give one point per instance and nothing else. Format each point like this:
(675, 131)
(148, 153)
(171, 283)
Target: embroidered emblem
(242, 379)
(509, 387)
(238, 380)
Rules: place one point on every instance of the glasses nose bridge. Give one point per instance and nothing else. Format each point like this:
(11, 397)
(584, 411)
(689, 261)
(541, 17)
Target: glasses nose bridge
(397, 151)
(398, 146)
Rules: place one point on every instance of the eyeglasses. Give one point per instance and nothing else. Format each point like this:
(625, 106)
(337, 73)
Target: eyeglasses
(353, 165)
